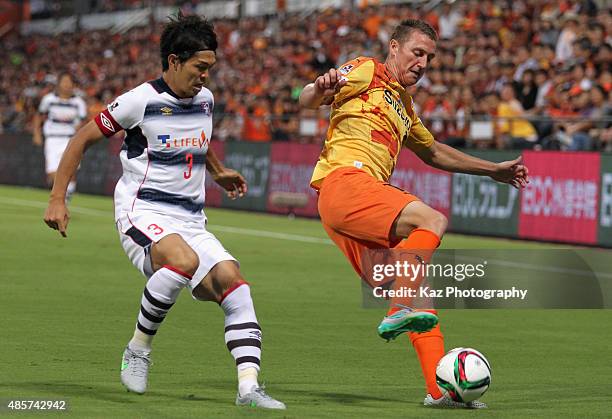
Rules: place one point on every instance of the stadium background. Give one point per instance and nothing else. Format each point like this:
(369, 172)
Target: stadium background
(555, 55)
(68, 305)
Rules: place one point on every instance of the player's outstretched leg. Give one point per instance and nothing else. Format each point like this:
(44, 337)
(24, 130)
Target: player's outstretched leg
(159, 295)
(243, 340)
(429, 345)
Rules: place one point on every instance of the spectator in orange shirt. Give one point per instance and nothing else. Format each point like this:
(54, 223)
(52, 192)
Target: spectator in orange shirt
(256, 127)
(372, 22)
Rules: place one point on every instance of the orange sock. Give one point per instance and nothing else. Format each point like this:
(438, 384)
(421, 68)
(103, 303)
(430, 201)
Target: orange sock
(429, 346)
(420, 238)
(420, 243)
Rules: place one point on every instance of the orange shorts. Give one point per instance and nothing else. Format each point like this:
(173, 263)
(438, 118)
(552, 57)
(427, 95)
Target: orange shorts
(358, 211)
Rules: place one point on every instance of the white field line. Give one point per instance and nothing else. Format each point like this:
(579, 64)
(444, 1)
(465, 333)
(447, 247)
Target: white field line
(43, 205)
(222, 228)
(270, 234)
(311, 239)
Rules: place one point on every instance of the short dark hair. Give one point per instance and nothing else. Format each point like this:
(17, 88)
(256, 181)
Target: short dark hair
(186, 35)
(63, 74)
(406, 27)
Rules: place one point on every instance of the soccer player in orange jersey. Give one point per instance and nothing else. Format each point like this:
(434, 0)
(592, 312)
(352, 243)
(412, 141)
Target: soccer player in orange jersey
(372, 117)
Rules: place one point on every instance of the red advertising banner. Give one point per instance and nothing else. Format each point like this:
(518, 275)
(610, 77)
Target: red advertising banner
(291, 167)
(214, 193)
(431, 185)
(560, 202)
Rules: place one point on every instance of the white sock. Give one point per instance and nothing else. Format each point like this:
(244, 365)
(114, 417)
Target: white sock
(141, 341)
(243, 336)
(247, 379)
(159, 295)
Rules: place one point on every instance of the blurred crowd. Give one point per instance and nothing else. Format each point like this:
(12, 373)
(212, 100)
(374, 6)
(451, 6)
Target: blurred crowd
(508, 74)
(46, 9)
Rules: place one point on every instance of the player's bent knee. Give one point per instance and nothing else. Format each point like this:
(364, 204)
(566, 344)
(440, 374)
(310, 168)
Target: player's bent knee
(187, 261)
(437, 223)
(227, 275)
(223, 277)
(432, 220)
(174, 251)
(419, 215)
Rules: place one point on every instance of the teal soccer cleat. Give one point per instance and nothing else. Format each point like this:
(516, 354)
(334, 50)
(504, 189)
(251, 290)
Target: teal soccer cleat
(406, 320)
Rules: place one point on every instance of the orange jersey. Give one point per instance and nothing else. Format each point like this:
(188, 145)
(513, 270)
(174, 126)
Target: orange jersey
(372, 117)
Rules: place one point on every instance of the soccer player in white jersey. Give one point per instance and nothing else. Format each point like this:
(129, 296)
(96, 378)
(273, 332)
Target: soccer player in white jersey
(159, 203)
(62, 113)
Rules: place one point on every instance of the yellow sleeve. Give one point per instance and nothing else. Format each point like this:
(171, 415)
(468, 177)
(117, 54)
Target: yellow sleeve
(358, 73)
(419, 136)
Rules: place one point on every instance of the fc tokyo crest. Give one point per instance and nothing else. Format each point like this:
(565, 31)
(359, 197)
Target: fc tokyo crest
(205, 108)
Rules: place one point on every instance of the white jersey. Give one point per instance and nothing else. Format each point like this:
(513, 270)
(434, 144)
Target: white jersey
(164, 151)
(63, 115)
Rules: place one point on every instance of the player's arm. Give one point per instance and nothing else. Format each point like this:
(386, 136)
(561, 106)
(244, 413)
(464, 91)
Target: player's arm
(233, 182)
(442, 156)
(57, 215)
(352, 79)
(322, 90)
(38, 121)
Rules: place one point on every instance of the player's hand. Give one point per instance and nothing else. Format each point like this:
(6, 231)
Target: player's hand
(234, 184)
(329, 83)
(513, 172)
(37, 139)
(57, 216)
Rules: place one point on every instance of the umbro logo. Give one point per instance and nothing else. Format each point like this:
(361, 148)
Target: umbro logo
(107, 123)
(166, 111)
(255, 334)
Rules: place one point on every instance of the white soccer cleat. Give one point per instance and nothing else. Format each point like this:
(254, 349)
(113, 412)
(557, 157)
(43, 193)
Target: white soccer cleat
(259, 398)
(135, 370)
(446, 401)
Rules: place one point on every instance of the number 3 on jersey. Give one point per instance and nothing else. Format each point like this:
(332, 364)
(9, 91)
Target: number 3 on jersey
(157, 230)
(189, 158)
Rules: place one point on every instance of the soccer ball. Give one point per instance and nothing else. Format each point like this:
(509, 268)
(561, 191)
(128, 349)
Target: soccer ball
(464, 374)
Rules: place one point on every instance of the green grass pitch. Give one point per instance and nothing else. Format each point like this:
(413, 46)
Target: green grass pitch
(69, 306)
